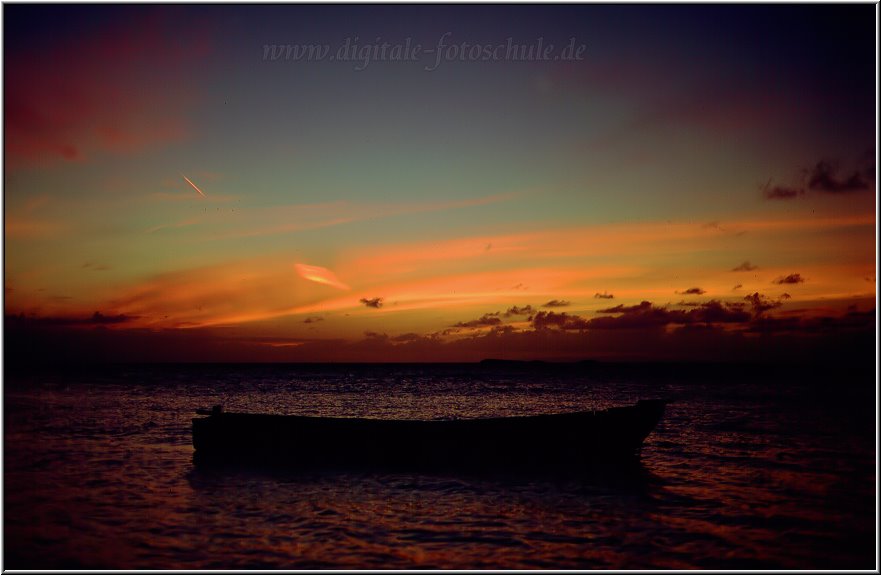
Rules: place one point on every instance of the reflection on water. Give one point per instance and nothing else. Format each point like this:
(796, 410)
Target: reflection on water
(99, 474)
(329, 519)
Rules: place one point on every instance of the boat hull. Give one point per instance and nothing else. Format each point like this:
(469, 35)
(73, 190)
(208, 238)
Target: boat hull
(579, 439)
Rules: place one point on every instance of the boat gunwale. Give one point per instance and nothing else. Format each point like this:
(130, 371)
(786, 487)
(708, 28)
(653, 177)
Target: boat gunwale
(505, 418)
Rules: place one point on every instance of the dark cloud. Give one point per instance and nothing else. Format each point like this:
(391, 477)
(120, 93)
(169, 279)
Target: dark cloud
(604, 295)
(556, 303)
(745, 267)
(548, 319)
(858, 319)
(785, 296)
(100, 318)
(645, 315)
(782, 192)
(769, 325)
(313, 319)
(824, 178)
(867, 164)
(375, 302)
(692, 291)
(761, 304)
(97, 318)
(684, 303)
(826, 325)
(407, 337)
(488, 319)
(621, 308)
(525, 310)
(502, 330)
(790, 279)
(95, 267)
(269, 341)
(737, 287)
(795, 338)
(715, 311)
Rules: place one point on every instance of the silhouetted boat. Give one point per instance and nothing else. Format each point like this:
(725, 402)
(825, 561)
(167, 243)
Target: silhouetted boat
(572, 440)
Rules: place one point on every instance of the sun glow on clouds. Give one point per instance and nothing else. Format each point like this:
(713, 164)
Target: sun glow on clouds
(613, 182)
(428, 287)
(646, 238)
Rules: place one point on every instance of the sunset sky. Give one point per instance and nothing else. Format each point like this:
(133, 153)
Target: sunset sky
(701, 184)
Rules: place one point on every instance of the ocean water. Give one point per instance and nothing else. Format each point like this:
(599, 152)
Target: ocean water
(749, 469)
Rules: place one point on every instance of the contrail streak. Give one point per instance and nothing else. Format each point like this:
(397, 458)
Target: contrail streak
(194, 186)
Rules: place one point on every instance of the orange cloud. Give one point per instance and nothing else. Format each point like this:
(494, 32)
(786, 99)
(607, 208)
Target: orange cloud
(320, 275)
(199, 296)
(27, 222)
(433, 284)
(602, 245)
(28, 228)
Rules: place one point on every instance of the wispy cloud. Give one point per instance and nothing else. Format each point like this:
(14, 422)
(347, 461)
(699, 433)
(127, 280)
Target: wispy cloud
(617, 241)
(556, 265)
(320, 275)
(256, 222)
(29, 220)
(179, 224)
(30, 228)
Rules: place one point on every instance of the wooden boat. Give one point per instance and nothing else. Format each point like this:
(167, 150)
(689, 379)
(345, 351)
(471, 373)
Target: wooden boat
(575, 440)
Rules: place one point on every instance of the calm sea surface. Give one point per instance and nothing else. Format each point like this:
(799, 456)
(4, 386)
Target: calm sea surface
(746, 470)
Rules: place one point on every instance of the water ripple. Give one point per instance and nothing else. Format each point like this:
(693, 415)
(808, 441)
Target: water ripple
(736, 476)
